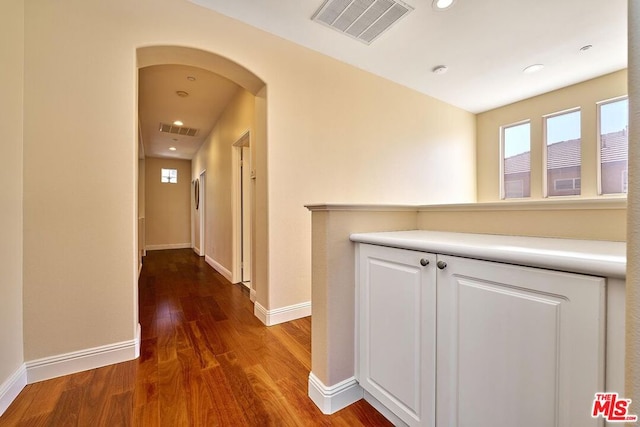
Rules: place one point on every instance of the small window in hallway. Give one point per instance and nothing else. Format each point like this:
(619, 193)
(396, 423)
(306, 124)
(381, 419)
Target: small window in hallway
(169, 175)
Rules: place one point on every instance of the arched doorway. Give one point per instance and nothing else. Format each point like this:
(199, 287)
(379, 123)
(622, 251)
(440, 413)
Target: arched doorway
(185, 56)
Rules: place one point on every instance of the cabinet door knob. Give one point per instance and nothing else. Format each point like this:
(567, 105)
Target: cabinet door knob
(424, 262)
(441, 265)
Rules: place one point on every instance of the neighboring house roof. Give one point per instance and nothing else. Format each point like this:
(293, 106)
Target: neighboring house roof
(566, 154)
(615, 146)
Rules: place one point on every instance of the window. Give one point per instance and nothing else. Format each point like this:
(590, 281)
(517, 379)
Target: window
(566, 184)
(563, 153)
(169, 175)
(613, 145)
(516, 164)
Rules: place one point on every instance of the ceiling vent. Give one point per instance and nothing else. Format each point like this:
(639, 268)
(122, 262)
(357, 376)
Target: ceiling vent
(363, 20)
(178, 130)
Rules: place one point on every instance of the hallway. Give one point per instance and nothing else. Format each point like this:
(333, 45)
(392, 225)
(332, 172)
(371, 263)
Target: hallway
(205, 361)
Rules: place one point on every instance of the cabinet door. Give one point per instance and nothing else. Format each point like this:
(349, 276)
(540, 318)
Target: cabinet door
(517, 346)
(396, 330)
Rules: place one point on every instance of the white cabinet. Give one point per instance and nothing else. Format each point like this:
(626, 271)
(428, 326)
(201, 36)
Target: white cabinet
(478, 343)
(517, 346)
(396, 331)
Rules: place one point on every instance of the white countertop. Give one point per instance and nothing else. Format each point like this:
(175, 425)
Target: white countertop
(600, 258)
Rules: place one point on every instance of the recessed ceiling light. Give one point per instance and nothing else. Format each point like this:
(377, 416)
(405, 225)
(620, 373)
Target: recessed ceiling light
(178, 123)
(191, 78)
(586, 48)
(172, 148)
(533, 68)
(440, 69)
(442, 4)
(182, 93)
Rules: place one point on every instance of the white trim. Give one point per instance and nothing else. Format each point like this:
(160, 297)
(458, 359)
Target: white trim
(168, 246)
(336, 397)
(252, 295)
(283, 314)
(260, 312)
(138, 341)
(13, 385)
(565, 203)
(197, 251)
(139, 269)
(218, 267)
(83, 360)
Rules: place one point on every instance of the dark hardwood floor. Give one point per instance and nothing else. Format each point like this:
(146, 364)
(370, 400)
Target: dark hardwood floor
(205, 361)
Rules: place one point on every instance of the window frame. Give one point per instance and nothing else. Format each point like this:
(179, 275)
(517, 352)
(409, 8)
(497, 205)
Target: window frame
(599, 104)
(169, 176)
(503, 189)
(545, 146)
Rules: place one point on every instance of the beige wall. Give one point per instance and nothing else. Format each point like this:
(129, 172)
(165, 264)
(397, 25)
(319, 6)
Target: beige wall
(80, 163)
(11, 120)
(215, 156)
(167, 206)
(584, 95)
(334, 133)
(603, 219)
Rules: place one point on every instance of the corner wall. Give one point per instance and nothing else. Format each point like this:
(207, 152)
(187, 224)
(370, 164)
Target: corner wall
(11, 169)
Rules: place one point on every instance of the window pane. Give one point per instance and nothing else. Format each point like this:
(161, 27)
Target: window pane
(563, 154)
(169, 175)
(517, 161)
(614, 144)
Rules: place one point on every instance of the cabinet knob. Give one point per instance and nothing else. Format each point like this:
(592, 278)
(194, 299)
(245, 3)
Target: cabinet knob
(424, 262)
(441, 265)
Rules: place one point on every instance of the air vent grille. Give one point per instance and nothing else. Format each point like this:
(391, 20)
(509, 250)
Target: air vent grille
(178, 130)
(364, 20)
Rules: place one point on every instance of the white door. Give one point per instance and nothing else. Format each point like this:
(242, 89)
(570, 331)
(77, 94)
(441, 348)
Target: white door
(396, 330)
(517, 346)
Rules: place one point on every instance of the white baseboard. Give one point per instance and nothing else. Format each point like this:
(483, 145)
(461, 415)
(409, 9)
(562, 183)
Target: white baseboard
(252, 295)
(197, 251)
(168, 246)
(83, 360)
(338, 396)
(138, 341)
(283, 314)
(393, 418)
(139, 270)
(218, 267)
(10, 389)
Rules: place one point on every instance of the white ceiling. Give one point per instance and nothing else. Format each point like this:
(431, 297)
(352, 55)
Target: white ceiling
(158, 103)
(485, 44)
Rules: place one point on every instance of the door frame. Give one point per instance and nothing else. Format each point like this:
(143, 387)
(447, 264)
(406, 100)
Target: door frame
(241, 212)
(201, 211)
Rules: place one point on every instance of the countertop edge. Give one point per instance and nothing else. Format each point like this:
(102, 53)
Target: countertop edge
(568, 255)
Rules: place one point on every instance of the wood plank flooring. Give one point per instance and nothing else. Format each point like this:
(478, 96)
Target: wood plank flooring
(205, 361)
